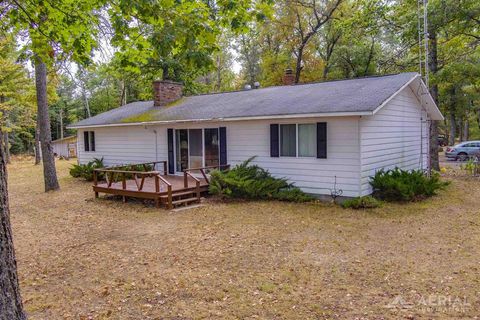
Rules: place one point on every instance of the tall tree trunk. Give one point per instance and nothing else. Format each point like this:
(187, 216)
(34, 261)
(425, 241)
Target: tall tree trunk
(84, 91)
(7, 147)
(11, 307)
(433, 68)
(460, 129)
(478, 118)
(49, 172)
(466, 129)
(38, 158)
(61, 123)
(5, 134)
(298, 66)
(453, 129)
(218, 85)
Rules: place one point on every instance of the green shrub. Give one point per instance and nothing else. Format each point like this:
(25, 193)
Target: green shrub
(85, 171)
(247, 181)
(469, 166)
(366, 202)
(403, 185)
(134, 167)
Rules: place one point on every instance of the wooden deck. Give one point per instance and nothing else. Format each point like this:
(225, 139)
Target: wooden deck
(164, 189)
(177, 183)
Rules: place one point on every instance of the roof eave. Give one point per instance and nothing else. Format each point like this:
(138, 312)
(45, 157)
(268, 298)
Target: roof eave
(267, 117)
(425, 99)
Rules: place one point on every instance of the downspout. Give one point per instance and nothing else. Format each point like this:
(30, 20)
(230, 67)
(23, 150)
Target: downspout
(156, 142)
(360, 162)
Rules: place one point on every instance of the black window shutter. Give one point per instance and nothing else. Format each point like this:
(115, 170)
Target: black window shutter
(223, 145)
(274, 142)
(92, 140)
(321, 140)
(86, 141)
(171, 161)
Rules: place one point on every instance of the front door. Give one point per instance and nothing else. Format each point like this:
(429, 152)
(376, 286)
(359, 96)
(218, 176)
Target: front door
(181, 149)
(196, 148)
(212, 149)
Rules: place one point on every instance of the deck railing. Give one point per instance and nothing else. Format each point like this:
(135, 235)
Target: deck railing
(118, 180)
(145, 165)
(197, 183)
(121, 173)
(203, 171)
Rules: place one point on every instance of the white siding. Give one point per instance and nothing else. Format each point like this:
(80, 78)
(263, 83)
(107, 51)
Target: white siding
(120, 145)
(393, 137)
(357, 147)
(61, 147)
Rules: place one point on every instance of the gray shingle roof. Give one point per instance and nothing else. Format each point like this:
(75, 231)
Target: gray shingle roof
(343, 96)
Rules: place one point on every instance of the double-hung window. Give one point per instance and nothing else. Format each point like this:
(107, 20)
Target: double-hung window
(89, 140)
(298, 140)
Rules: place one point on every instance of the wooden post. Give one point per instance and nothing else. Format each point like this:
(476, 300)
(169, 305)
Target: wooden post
(198, 191)
(95, 181)
(124, 181)
(185, 179)
(165, 168)
(169, 204)
(204, 175)
(157, 184)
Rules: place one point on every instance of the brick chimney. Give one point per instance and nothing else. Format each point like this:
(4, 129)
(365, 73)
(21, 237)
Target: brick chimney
(288, 77)
(165, 91)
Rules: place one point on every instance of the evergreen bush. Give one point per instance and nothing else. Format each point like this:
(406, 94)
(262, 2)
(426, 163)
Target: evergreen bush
(366, 202)
(248, 181)
(85, 171)
(403, 185)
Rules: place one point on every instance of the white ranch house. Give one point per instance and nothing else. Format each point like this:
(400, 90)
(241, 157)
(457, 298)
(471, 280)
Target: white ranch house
(313, 134)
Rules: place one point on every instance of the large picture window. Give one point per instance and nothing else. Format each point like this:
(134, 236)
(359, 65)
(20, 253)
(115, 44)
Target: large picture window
(298, 140)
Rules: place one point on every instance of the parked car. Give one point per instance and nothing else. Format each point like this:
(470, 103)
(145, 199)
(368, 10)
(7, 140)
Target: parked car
(463, 151)
(442, 140)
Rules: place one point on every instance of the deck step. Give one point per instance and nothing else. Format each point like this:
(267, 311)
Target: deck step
(179, 194)
(184, 201)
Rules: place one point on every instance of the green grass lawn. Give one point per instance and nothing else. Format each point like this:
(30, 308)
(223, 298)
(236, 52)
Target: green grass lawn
(81, 258)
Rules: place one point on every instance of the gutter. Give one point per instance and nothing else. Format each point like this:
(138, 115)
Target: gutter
(286, 116)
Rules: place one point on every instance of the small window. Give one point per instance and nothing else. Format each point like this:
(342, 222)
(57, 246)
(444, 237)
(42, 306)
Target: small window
(92, 141)
(86, 140)
(89, 140)
(298, 140)
(288, 140)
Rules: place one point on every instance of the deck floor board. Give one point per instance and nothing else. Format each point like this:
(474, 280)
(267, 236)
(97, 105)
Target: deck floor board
(177, 183)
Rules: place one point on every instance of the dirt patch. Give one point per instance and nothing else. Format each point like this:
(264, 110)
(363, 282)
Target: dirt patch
(81, 258)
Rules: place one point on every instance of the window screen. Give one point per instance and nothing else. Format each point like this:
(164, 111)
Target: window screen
(307, 136)
(92, 140)
(288, 140)
(86, 141)
(212, 155)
